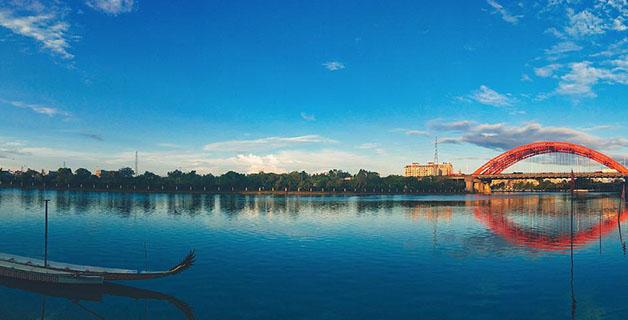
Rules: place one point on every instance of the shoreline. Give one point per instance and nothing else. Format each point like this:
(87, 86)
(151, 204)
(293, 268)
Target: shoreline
(265, 192)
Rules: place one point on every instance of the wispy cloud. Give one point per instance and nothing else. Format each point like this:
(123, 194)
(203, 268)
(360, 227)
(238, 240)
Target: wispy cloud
(268, 143)
(582, 76)
(168, 145)
(547, 71)
(488, 96)
(91, 136)
(112, 7)
(563, 47)
(45, 26)
(601, 127)
(412, 132)
(372, 146)
(619, 24)
(333, 65)
(501, 136)
(583, 23)
(37, 108)
(308, 117)
(11, 148)
(505, 14)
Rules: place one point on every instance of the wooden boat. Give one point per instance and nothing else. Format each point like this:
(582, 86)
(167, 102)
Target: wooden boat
(24, 268)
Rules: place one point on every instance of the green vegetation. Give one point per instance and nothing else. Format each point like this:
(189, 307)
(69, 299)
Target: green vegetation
(562, 185)
(332, 181)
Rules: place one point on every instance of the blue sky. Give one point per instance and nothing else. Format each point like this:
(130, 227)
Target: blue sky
(306, 85)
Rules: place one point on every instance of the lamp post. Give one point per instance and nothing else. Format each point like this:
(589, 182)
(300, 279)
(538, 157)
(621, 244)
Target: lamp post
(46, 234)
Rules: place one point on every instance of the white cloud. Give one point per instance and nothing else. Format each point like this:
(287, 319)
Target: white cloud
(321, 160)
(168, 145)
(37, 108)
(333, 65)
(308, 117)
(618, 24)
(268, 143)
(412, 132)
(563, 47)
(507, 16)
(113, 7)
(11, 148)
(583, 24)
(488, 96)
(525, 78)
(547, 71)
(368, 145)
(501, 136)
(47, 28)
(372, 146)
(601, 127)
(583, 76)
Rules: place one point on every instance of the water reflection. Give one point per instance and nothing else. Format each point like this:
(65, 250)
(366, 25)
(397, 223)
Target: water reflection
(339, 257)
(77, 295)
(546, 223)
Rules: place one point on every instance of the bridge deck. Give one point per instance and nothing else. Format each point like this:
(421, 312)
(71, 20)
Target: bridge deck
(543, 175)
(552, 175)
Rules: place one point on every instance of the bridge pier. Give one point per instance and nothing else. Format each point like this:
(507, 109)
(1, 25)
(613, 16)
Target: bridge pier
(475, 185)
(624, 192)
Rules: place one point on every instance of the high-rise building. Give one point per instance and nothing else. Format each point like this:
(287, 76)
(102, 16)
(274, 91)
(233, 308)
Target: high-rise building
(429, 169)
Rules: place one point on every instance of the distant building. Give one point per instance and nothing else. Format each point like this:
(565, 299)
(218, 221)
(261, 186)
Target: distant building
(429, 169)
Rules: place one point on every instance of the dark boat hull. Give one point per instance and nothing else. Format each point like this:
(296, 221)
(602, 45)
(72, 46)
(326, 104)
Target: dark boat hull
(30, 269)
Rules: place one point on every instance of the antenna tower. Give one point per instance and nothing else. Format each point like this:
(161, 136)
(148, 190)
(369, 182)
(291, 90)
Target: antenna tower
(136, 172)
(436, 151)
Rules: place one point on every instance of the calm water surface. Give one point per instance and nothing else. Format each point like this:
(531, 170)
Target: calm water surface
(520, 256)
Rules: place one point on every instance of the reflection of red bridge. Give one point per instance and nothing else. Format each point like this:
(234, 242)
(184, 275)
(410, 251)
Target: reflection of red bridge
(480, 180)
(499, 223)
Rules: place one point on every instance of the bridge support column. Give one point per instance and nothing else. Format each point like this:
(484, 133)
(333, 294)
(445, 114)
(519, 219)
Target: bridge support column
(483, 187)
(468, 184)
(474, 185)
(624, 192)
(487, 188)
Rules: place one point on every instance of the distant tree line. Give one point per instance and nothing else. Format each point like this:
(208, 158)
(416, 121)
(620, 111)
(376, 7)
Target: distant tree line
(126, 180)
(562, 185)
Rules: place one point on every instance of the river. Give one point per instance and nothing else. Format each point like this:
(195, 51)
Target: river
(514, 256)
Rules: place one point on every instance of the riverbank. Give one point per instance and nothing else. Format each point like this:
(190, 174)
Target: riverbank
(127, 189)
(131, 189)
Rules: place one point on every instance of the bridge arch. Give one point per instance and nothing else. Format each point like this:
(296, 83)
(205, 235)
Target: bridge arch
(500, 163)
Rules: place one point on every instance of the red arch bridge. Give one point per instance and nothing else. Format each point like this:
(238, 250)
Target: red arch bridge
(480, 180)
